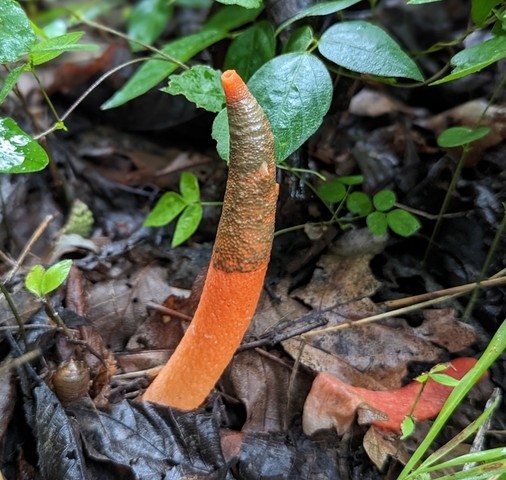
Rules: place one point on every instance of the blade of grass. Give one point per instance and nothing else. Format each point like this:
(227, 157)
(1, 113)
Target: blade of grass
(496, 346)
(459, 438)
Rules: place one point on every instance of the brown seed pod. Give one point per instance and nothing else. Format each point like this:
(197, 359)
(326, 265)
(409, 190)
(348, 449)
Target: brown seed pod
(71, 381)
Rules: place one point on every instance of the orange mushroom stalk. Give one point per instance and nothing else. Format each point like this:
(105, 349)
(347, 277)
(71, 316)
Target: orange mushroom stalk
(333, 403)
(238, 263)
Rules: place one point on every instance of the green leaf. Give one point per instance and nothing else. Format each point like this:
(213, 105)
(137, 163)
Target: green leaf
(322, 9)
(460, 136)
(352, 180)
(295, 91)
(19, 152)
(243, 3)
(156, 69)
(332, 192)
(377, 223)
(50, 48)
(168, 207)
(201, 85)
(476, 58)
(402, 223)
(147, 21)
(300, 40)
(444, 379)
(33, 280)
(194, 3)
(54, 276)
(232, 17)
(407, 427)
(10, 80)
(40, 281)
(481, 10)
(384, 200)
(221, 134)
(251, 49)
(365, 48)
(189, 187)
(16, 33)
(359, 203)
(187, 224)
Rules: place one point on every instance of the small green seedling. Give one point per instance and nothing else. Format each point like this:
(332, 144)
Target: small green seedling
(41, 282)
(187, 205)
(408, 424)
(378, 211)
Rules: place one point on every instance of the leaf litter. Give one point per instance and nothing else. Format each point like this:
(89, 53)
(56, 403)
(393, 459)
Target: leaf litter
(251, 427)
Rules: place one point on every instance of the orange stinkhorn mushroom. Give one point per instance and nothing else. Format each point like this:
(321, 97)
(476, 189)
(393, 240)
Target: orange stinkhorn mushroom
(239, 260)
(333, 403)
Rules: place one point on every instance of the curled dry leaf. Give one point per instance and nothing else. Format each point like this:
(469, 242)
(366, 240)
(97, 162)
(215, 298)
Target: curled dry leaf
(332, 403)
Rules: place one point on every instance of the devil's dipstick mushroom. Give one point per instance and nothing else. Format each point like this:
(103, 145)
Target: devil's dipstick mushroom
(238, 263)
(332, 403)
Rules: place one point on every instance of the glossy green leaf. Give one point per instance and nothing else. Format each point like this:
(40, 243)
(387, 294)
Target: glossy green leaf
(377, 223)
(168, 207)
(55, 275)
(16, 33)
(384, 200)
(148, 20)
(445, 379)
(243, 3)
(407, 427)
(300, 40)
(50, 48)
(295, 91)
(33, 280)
(189, 187)
(251, 49)
(157, 69)
(476, 58)
(365, 48)
(19, 152)
(482, 9)
(187, 224)
(201, 85)
(359, 203)
(221, 134)
(10, 80)
(352, 180)
(194, 3)
(332, 192)
(402, 223)
(232, 17)
(320, 9)
(41, 282)
(460, 136)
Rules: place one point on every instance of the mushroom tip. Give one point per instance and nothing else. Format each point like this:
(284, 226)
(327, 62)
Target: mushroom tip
(234, 86)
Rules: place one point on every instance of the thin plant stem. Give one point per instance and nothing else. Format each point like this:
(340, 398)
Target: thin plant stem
(486, 264)
(446, 202)
(401, 311)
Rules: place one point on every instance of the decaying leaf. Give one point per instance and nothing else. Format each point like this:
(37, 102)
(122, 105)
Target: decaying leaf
(118, 307)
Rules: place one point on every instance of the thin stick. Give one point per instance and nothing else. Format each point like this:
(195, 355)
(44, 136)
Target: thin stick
(410, 308)
(33, 239)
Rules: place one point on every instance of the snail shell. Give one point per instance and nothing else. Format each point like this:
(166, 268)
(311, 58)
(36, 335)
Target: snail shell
(71, 381)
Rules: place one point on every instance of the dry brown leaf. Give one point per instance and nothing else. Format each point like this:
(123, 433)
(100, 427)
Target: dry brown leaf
(373, 103)
(380, 445)
(262, 385)
(117, 307)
